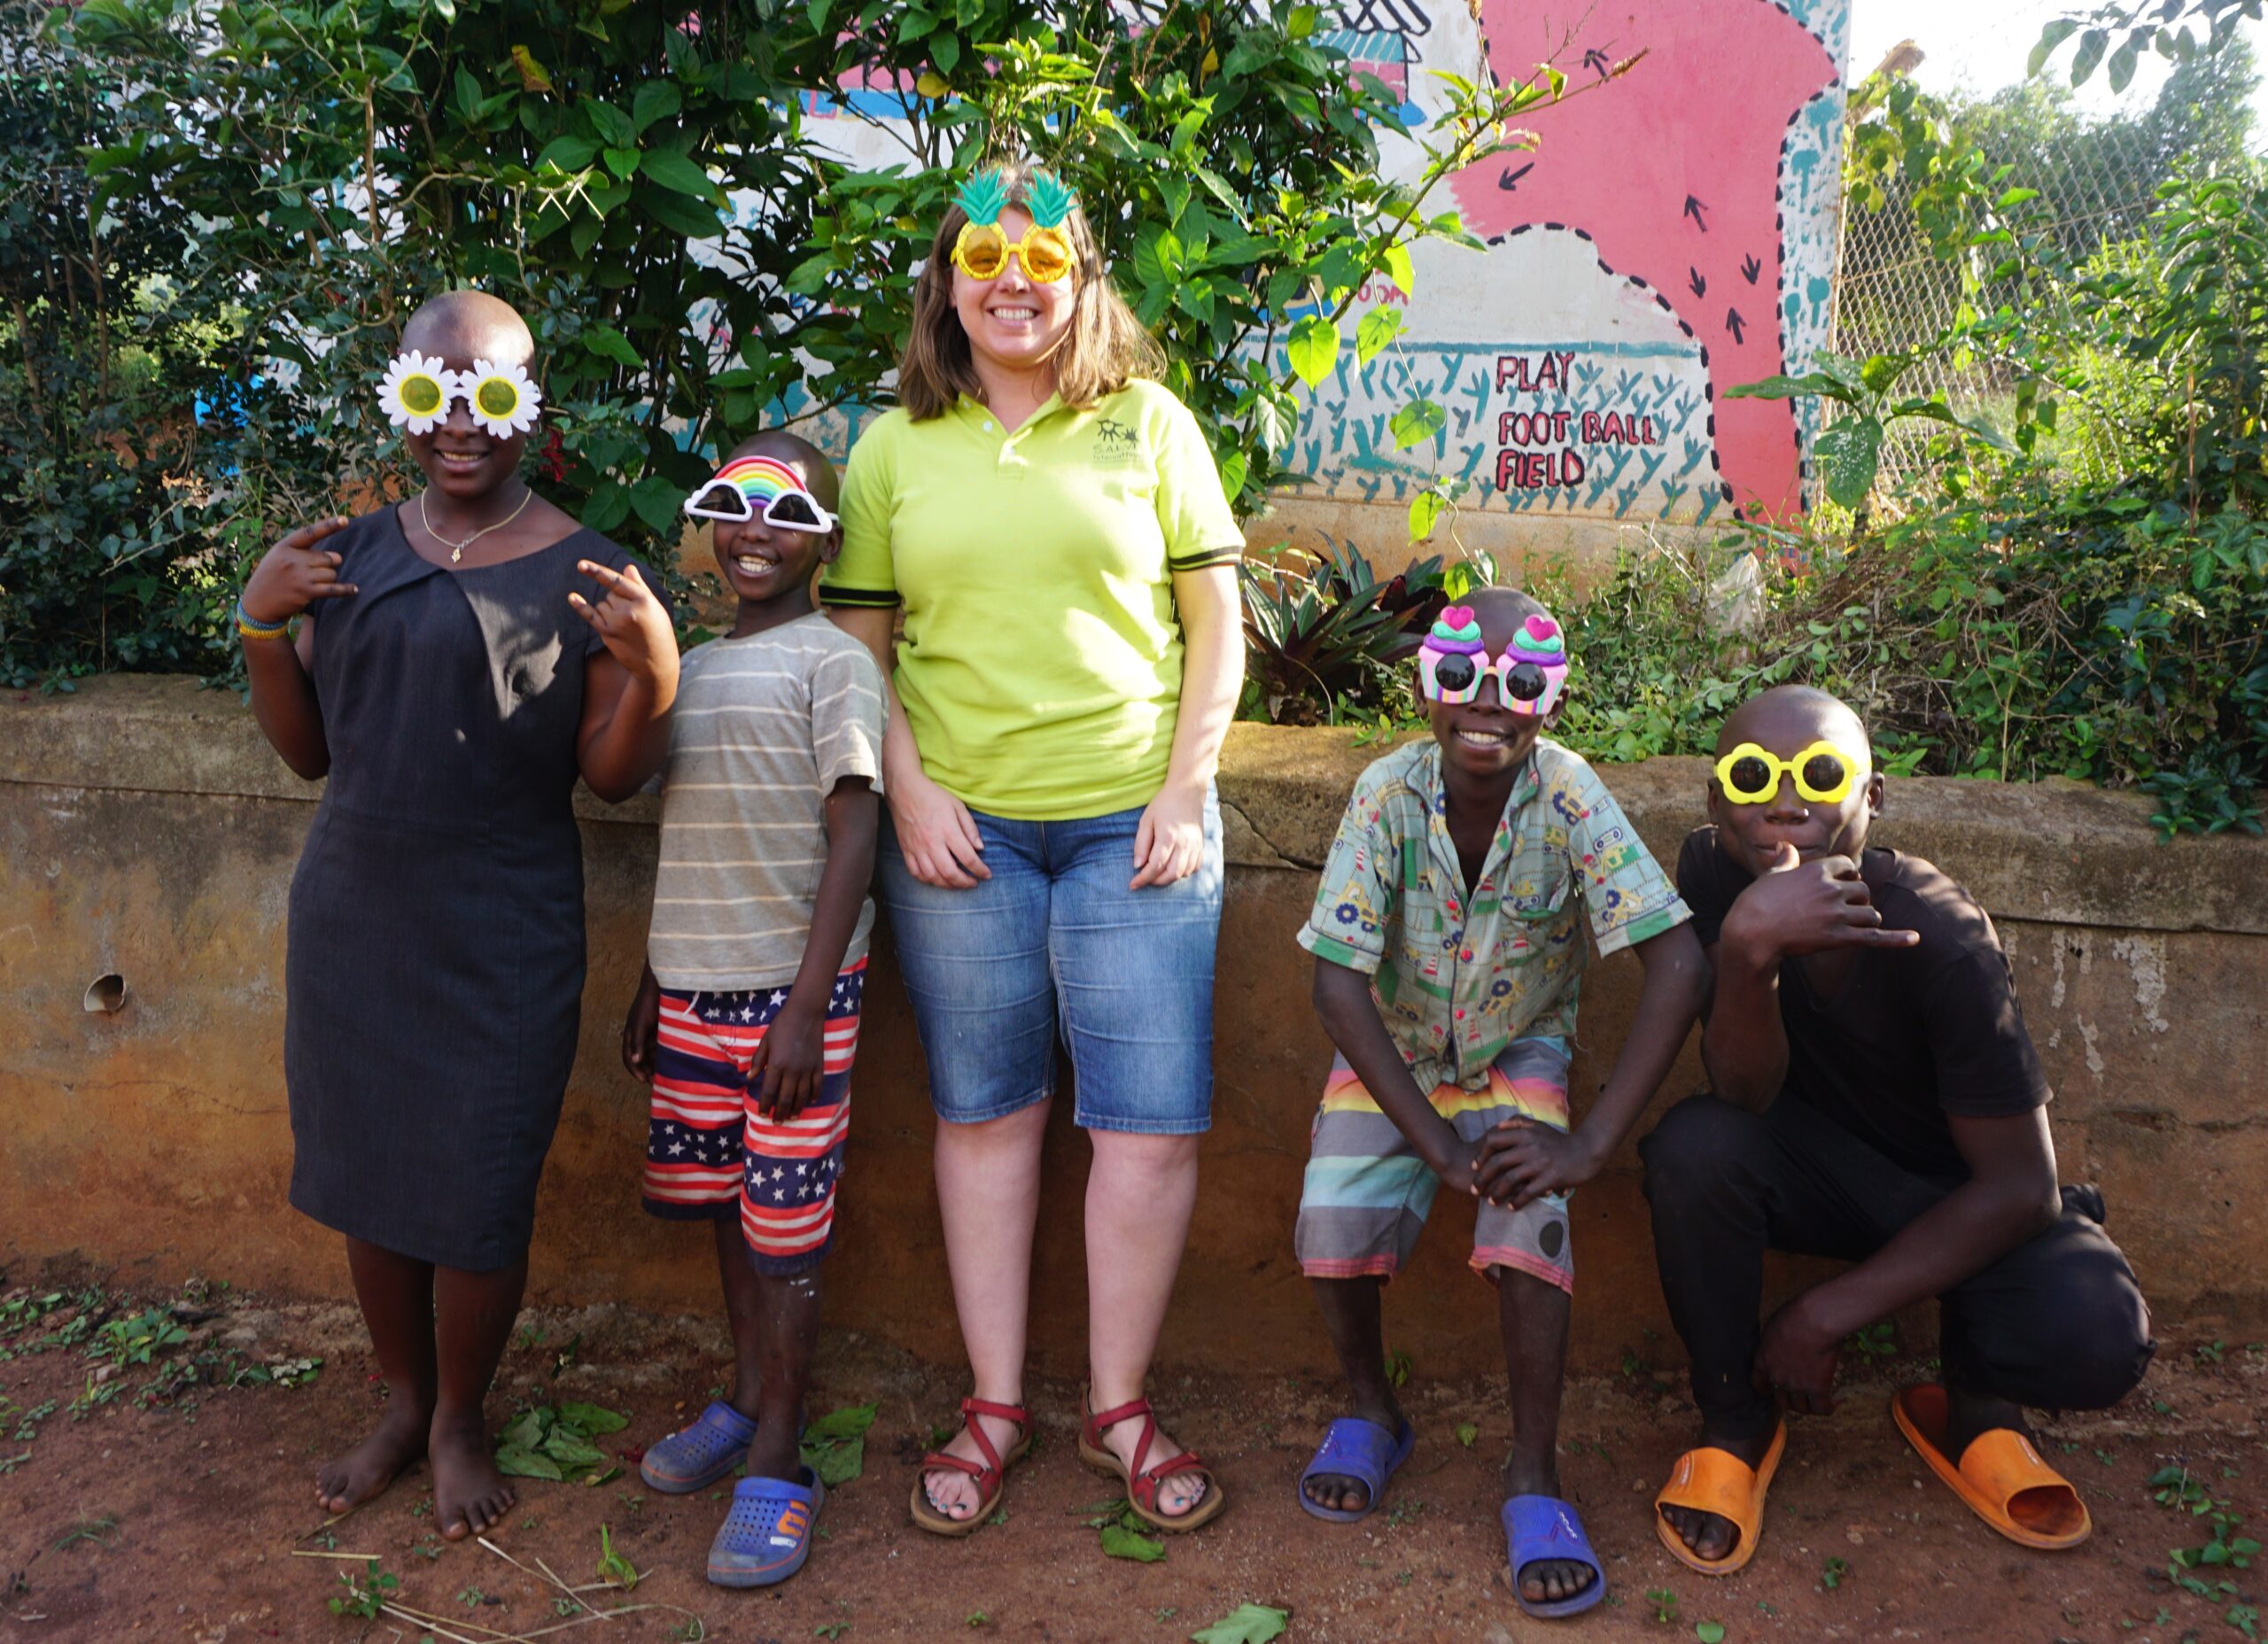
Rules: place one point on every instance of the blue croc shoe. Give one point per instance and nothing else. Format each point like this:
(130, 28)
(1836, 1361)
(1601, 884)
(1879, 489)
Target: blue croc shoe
(699, 1453)
(1540, 1527)
(767, 1535)
(1357, 1449)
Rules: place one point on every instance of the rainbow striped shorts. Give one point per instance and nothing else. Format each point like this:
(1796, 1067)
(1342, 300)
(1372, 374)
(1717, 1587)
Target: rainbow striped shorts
(710, 1154)
(1367, 1192)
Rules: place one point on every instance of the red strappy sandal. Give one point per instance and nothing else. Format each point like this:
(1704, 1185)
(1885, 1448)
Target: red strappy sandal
(1142, 1482)
(992, 1474)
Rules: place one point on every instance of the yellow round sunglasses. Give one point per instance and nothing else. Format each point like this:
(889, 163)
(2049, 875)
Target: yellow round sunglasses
(1823, 773)
(982, 252)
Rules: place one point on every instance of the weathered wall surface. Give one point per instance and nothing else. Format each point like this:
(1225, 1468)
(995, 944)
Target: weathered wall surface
(145, 829)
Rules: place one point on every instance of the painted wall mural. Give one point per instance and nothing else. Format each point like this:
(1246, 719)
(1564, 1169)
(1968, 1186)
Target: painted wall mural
(1672, 234)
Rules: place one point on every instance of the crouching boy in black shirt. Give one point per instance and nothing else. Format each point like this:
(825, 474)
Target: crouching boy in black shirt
(1877, 1100)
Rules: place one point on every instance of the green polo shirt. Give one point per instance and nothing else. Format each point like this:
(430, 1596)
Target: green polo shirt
(1041, 663)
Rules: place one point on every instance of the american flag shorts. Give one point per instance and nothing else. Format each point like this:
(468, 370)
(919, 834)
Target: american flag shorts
(709, 1153)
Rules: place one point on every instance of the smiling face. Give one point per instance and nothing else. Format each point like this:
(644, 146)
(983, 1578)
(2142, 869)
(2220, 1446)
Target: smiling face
(460, 458)
(1784, 721)
(1012, 323)
(1483, 738)
(759, 561)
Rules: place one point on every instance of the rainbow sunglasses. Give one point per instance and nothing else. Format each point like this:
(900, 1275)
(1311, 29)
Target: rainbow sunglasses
(1824, 773)
(759, 488)
(1530, 676)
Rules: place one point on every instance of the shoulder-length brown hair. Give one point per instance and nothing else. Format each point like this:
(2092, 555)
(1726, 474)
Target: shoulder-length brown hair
(1105, 348)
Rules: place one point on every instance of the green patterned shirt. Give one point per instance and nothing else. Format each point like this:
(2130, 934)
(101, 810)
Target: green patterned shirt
(1457, 978)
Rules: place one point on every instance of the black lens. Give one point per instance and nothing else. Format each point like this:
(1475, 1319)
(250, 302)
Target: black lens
(1752, 775)
(721, 497)
(789, 508)
(1525, 683)
(1822, 772)
(1454, 672)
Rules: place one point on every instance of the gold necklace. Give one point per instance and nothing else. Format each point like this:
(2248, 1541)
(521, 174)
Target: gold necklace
(456, 550)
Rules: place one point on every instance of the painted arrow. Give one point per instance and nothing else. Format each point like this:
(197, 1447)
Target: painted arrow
(1511, 179)
(1596, 61)
(1693, 209)
(1750, 267)
(1735, 324)
(1700, 286)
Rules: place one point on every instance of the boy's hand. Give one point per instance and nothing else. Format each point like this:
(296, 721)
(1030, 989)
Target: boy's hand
(789, 1062)
(628, 619)
(1796, 1361)
(640, 1028)
(1521, 1161)
(295, 573)
(1798, 907)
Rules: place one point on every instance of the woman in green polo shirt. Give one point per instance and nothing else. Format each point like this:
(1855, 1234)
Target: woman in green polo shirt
(1051, 523)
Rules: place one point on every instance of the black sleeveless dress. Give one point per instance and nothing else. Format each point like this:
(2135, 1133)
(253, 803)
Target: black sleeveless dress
(433, 975)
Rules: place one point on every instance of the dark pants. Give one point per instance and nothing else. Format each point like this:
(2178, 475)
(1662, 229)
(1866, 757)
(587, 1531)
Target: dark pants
(2056, 1323)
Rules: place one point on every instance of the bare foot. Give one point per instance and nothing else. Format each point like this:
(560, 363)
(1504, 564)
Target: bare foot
(470, 1495)
(1710, 1537)
(1545, 1580)
(1177, 1492)
(1340, 1493)
(357, 1476)
(954, 1493)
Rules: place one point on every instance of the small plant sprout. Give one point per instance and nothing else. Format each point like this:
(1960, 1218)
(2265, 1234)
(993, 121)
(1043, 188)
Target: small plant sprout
(612, 1566)
(1831, 1573)
(1664, 1603)
(368, 1592)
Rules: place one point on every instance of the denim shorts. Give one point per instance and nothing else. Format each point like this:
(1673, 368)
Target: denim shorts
(1054, 939)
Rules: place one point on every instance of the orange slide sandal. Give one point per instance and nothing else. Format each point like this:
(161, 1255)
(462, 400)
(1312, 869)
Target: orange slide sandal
(1711, 1480)
(2000, 1476)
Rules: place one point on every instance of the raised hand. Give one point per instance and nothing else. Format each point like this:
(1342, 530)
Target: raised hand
(295, 573)
(628, 619)
(1797, 907)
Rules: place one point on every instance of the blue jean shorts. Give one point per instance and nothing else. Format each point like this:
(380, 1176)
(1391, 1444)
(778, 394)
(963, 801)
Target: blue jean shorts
(1055, 940)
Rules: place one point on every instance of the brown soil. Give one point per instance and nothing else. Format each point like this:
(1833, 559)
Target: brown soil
(181, 1521)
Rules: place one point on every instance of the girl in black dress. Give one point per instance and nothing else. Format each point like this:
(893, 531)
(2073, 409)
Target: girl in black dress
(466, 654)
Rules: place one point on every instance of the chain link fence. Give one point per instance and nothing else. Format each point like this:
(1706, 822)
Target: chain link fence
(2097, 174)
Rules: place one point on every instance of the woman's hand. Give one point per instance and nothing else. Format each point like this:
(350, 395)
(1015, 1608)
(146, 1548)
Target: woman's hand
(1170, 841)
(936, 833)
(295, 573)
(630, 621)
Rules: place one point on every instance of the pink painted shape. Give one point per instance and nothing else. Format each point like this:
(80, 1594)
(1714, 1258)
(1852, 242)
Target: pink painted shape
(1704, 115)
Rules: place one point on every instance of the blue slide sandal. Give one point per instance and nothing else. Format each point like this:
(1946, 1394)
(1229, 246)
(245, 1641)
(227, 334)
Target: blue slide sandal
(767, 1535)
(706, 1449)
(1540, 1527)
(1354, 1449)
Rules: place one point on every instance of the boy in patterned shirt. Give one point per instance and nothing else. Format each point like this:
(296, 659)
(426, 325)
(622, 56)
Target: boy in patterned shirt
(1448, 938)
(747, 1017)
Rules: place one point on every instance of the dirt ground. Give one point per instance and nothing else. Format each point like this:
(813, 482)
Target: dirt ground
(186, 1520)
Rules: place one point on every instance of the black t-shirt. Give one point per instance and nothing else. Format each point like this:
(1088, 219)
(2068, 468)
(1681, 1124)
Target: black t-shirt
(1913, 1033)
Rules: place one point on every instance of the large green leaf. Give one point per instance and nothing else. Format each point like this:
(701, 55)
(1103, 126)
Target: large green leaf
(673, 170)
(1120, 1542)
(1849, 454)
(1377, 328)
(1312, 347)
(689, 217)
(1247, 1624)
(1417, 422)
(518, 1464)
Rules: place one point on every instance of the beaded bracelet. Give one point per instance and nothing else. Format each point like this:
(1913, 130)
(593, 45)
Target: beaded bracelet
(253, 628)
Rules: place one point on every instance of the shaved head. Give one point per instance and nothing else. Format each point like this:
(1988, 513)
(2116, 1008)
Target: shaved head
(465, 326)
(800, 455)
(1788, 717)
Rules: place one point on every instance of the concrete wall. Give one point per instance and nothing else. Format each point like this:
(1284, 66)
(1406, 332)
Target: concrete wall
(145, 829)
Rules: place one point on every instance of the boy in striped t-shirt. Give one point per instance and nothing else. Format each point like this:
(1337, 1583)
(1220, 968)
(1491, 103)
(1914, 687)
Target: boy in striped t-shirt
(747, 1017)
